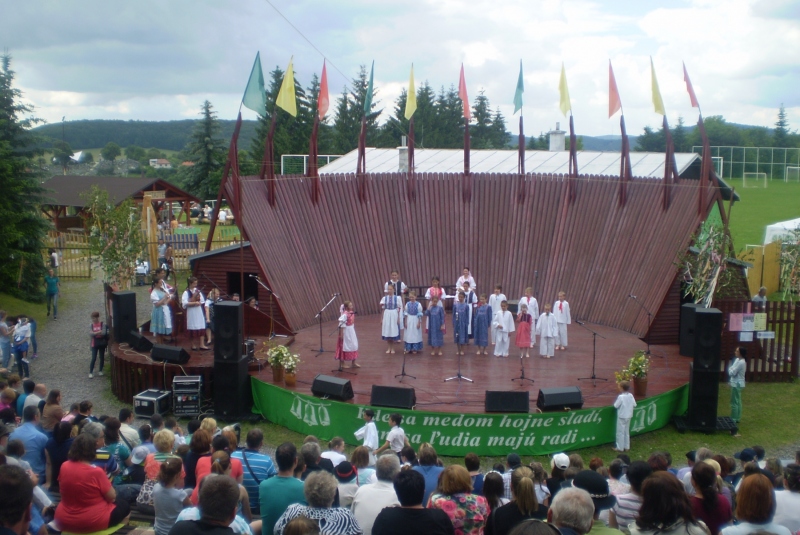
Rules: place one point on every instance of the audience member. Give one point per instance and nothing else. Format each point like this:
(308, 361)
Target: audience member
(523, 504)
(56, 450)
(700, 455)
(787, 501)
(707, 504)
(572, 511)
(627, 508)
(409, 457)
(218, 502)
(540, 478)
(597, 487)
(128, 434)
(665, 509)
(454, 496)
(335, 453)
(370, 499)
(220, 442)
(429, 469)
(38, 395)
(755, 507)
(686, 469)
(411, 516)
(277, 493)
(16, 488)
(558, 465)
(360, 460)
(164, 442)
(320, 490)
(513, 462)
(347, 476)
(33, 440)
(199, 448)
(169, 496)
(493, 490)
(473, 464)
(535, 527)
(258, 466)
(52, 412)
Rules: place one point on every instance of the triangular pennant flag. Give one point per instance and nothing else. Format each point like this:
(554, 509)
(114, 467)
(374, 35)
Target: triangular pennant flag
(324, 100)
(462, 94)
(411, 97)
(368, 96)
(564, 102)
(255, 98)
(519, 91)
(690, 89)
(614, 102)
(658, 102)
(286, 97)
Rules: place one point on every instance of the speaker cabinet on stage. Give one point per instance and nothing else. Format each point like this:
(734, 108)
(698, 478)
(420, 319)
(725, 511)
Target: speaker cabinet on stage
(507, 401)
(123, 309)
(332, 387)
(233, 396)
(393, 396)
(139, 343)
(228, 324)
(687, 329)
(559, 399)
(707, 339)
(173, 354)
(703, 398)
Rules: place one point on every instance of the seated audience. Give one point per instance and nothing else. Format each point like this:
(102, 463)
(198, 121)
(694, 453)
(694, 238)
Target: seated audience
(454, 496)
(218, 502)
(258, 466)
(56, 450)
(665, 509)
(335, 453)
(199, 448)
(33, 440)
(627, 508)
(473, 464)
(277, 493)
(347, 477)
(493, 490)
(572, 511)
(319, 490)
(755, 507)
(360, 460)
(523, 504)
(52, 412)
(370, 499)
(169, 496)
(411, 516)
(596, 485)
(787, 501)
(16, 488)
(707, 503)
(429, 469)
(558, 466)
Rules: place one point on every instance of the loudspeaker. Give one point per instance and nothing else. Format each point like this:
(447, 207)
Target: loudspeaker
(332, 387)
(138, 342)
(228, 322)
(393, 396)
(558, 399)
(166, 353)
(123, 309)
(687, 328)
(233, 396)
(501, 401)
(707, 339)
(703, 398)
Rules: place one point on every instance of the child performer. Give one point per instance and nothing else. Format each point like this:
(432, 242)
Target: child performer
(412, 335)
(461, 323)
(504, 325)
(434, 290)
(347, 345)
(533, 309)
(547, 329)
(523, 340)
(192, 301)
(466, 276)
(561, 312)
(483, 322)
(472, 301)
(494, 301)
(369, 434)
(400, 288)
(436, 327)
(392, 307)
(396, 438)
(624, 404)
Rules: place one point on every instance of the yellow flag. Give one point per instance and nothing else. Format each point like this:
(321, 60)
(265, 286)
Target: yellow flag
(658, 102)
(411, 97)
(564, 102)
(286, 97)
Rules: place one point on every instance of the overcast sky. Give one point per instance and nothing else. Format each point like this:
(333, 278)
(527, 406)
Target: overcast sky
(149, 60)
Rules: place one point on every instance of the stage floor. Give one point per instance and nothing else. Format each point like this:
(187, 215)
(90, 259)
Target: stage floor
(669, 370)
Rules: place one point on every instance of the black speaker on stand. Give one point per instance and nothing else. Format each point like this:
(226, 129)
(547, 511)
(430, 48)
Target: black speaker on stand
(123, 310)
(228, 327)
(687, 327)
(233, 396)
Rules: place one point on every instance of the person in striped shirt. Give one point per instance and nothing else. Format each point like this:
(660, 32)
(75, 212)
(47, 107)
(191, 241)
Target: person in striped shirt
(627, 507)
(257, 466)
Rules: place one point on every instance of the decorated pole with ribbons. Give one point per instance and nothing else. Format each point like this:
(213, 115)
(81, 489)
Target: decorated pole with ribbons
(565, 104)
(466, 190)
(521, 141)
(411, 107)
(323, 103)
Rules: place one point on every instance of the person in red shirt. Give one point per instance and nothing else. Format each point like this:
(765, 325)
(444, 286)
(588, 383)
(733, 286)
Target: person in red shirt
(219, 443)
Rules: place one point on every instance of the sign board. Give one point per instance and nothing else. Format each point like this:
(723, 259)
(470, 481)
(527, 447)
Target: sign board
(738, 322)
(765, 335)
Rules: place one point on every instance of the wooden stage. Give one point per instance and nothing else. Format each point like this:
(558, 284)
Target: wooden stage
(488, 372)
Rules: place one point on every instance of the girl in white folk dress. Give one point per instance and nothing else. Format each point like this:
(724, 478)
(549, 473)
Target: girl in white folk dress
(391, 325)
(347, 345)
(412, 334)
(193, 301)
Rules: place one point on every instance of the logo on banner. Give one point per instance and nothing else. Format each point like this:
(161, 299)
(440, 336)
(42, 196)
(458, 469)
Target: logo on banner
(311, 412)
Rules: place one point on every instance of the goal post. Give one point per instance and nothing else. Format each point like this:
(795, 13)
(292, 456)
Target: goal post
(718, 165)
(792, 174)
(755, 180)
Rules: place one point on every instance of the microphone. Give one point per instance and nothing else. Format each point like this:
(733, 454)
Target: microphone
(631, 296)
(253, 276)
(579, 322)
(336, 294)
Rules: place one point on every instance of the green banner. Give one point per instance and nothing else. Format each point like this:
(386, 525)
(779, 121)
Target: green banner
(456, 434)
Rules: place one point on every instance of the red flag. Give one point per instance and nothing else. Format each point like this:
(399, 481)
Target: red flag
(690, 89)
(324, 100)
(614, 102)
(462, 94)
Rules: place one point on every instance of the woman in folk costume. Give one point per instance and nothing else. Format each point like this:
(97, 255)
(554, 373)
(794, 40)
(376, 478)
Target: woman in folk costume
(160, 317)
(461, 323)
(391, 326)
(412, 334)
(436, 326)
(523, 338)
(481, 324)
(503, 325)
(347, 345)
(547, 329)
(533, 309)
(192, 301)
(471, 299)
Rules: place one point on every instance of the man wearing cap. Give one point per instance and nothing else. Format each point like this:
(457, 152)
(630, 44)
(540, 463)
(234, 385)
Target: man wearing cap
(560, 461)
(512, 462)
(597, 487)
(133, 476)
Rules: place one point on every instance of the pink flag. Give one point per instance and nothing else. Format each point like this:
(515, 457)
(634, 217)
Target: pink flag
(324, 100)
(690, 89)
(462, 94)
(614, 102)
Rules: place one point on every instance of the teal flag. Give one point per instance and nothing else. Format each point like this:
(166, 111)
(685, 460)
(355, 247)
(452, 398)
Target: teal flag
(255, 97)
(519, 91)
(368, 97)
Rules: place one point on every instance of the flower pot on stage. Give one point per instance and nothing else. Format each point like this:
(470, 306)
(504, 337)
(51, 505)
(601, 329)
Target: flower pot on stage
(277, 374)
(640, 387)
(290, 379)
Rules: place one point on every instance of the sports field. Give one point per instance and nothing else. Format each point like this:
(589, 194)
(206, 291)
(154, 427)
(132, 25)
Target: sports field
(760, 207)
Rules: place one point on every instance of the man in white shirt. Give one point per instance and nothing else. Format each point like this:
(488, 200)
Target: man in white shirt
(371, 499)
(39, 393)
(129, 435)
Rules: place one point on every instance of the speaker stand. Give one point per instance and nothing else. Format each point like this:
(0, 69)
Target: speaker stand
(458, 375)
(594, 378)
(402, 375)
(522, 377)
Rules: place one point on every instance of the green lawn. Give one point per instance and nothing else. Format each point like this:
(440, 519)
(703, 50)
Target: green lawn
(760, 207)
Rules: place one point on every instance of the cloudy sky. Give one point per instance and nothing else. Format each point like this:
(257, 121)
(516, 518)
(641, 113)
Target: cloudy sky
(149, 60)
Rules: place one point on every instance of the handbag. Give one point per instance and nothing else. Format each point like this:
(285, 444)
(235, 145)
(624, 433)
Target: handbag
(102, 341)
(145, 496)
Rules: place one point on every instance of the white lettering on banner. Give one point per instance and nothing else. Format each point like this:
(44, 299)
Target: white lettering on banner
(383, 416)
(644, 416)
(311, 412)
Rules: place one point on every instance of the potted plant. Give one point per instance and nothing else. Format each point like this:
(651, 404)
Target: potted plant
(636, 372)
(290, 362)
(275, 357)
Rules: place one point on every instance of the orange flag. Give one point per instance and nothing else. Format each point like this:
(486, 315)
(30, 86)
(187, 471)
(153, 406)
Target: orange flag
(614, 102)
(324, 100)
(462, 94)
(689, 88)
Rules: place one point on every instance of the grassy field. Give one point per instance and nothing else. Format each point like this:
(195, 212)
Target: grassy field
(760, 207)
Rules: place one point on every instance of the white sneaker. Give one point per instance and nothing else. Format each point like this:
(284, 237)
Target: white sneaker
(26, 361)
(100, 374)
(91, 375)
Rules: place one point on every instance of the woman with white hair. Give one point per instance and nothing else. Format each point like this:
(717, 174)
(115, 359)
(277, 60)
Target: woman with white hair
(320, 490)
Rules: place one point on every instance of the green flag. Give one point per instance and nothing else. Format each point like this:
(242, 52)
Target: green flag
(255, 97)
(520, 90)
(368, 97)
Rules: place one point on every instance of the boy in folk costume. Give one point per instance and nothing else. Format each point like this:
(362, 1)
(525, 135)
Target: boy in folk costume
(533, 309)
(523, 339)
(391, 326)
(494, 301)
(369, 434)
(547, 329)
(400, 288)
(436, 326)
(412, 334)
(347, 344)
(472, 301)
(466, 276)
(624, 404)
(481, 325)
(561, 312)
(461, 323)
(503, 325)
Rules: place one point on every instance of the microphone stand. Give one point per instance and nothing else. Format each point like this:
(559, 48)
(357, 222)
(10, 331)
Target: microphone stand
(458, 376)
(594, 378)
(403, 373)
(319, 316)
(649, 324)
(271, 319)
(522, 377)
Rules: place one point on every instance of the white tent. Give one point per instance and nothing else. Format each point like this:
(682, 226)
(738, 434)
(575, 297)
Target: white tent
(781, 231)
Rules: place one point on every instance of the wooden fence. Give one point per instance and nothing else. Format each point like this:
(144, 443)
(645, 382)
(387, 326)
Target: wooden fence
(769, 360)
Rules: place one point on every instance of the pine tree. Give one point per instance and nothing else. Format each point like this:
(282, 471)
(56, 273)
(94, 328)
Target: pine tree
(679, 138)
(499, 134)
(481, 126)
(449, 132)
(24, 229)
(206, 150)
(780, 136)
(350, 109)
